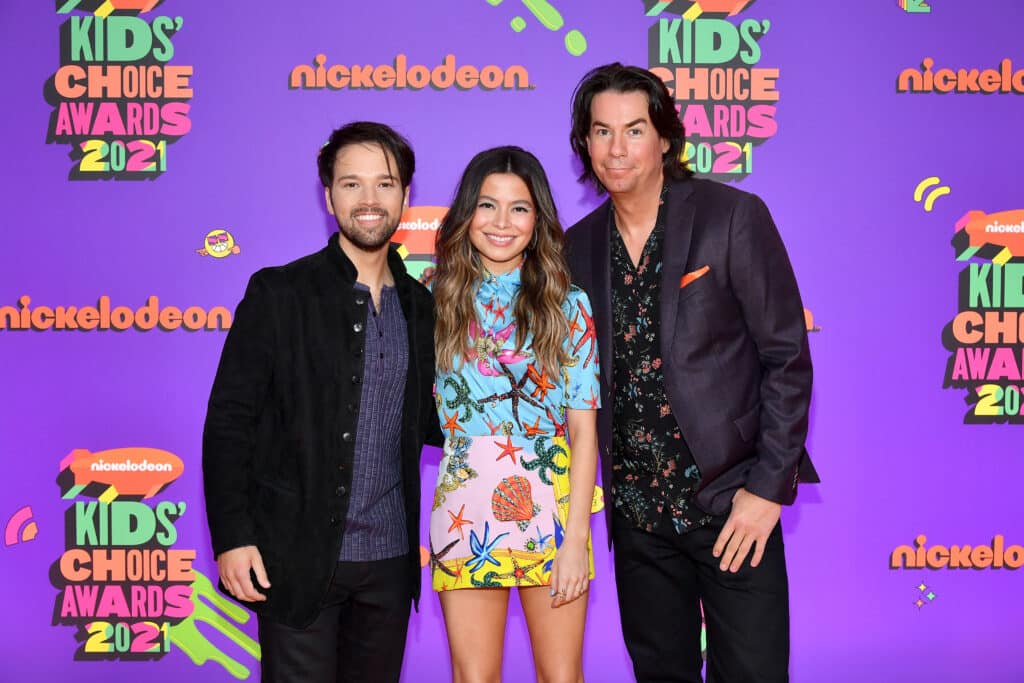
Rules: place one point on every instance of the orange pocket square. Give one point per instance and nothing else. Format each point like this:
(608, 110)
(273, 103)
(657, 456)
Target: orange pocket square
(693, 275)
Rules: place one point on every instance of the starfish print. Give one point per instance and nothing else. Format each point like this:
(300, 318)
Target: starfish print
(534, 429)
(458, 522)
(592, 401)
(489, 306)
(461, 400)
(545, 460)
(590, 334)
(515, 394)
(493, 427)
(559, 536)
(452, 423)
(559, 426)
(574, 326)
(540, 543)
(540, 379)
(499, 311)
(482, 549)
(435, 558)
(507, 449)
(519, 573)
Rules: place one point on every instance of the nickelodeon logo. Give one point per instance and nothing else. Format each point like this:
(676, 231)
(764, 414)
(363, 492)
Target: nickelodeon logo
(999, 236)
(138, 472)
(995, 555)
(399, 75)
(417, 234)
(119, 318)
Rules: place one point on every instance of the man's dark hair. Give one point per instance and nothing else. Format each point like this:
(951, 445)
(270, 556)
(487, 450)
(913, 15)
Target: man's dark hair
(661, 109)
(367, 133)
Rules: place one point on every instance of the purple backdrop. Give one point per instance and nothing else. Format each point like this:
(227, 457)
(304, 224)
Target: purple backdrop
(877, 270)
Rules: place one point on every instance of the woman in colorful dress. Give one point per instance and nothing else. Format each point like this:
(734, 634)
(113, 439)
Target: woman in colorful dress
(517, 382)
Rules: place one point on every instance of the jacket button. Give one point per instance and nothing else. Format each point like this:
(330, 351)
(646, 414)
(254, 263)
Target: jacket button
(351, 408)
(340, 490)
(360, 301)
(347, 437)
(357, 327)
(356, 379)
(334, 521)
(359, 352)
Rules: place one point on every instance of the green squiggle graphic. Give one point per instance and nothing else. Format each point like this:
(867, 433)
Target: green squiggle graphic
(193, 643)
(547, 14)
(551, 18)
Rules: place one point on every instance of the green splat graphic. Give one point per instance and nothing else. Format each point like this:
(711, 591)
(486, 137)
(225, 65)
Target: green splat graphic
(194, 644)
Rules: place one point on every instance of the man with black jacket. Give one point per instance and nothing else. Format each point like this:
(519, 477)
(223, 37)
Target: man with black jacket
(321, 404)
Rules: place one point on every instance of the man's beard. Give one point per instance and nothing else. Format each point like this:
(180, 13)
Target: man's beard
(370, 239)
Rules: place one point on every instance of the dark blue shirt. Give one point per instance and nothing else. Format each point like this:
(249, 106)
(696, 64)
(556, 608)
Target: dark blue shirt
(375, 523)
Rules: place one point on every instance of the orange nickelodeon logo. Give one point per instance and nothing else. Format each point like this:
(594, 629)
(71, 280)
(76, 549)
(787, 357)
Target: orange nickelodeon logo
(400, 75)
(999, 235)
(135, 472)
(994, 555)
(417, 234)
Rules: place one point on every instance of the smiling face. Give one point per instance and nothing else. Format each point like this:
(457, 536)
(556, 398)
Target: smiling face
(219, 243)
(503, 222)
(625, 148)
(366, 197)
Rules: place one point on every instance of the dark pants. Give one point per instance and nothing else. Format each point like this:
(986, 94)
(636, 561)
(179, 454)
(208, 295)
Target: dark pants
(358, 636)
(662, 579)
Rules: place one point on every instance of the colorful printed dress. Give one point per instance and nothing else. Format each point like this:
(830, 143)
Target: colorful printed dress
(502, 496)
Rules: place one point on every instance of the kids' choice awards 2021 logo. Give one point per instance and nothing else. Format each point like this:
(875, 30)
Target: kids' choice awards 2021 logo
(710, 60)
(123, 581)
(986, 338)
(117, 100)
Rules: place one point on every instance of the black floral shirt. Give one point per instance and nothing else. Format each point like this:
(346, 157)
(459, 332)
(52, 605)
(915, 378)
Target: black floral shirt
(654, 475)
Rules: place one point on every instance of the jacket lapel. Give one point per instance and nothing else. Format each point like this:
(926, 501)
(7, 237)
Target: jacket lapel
(679, 215)
(601, 290)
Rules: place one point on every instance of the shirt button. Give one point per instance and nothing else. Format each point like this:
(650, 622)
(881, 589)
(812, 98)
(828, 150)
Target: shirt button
(347, 437)
(358, 327)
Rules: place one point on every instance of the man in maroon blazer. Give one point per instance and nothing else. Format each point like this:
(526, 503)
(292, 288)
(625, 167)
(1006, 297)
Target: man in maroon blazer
(706, 382)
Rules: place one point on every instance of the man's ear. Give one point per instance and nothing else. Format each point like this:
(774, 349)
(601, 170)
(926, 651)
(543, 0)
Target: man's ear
(327, 199)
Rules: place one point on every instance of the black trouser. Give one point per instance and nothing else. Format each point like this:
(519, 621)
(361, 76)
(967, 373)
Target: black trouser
(663, 577)
(358, 636)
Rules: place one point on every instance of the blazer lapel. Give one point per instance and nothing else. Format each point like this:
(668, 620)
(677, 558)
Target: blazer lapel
(679, 215)
(601, 290)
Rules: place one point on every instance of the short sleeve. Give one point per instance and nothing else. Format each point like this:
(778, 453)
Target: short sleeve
(582, 374)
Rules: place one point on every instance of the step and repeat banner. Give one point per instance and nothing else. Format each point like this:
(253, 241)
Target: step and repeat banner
(160, 151)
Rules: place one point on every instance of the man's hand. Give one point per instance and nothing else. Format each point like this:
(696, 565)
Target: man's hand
(750, 522)
(234, 565)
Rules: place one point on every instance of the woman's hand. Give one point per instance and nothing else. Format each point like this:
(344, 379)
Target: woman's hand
(570, 572)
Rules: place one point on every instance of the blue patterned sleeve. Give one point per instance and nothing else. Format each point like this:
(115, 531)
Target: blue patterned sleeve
(582, 377)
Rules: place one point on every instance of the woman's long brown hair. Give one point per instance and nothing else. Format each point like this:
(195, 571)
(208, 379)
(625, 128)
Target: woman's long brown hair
(544, 273)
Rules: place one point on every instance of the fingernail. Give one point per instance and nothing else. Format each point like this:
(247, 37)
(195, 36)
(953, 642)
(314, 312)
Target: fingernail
(552, 592)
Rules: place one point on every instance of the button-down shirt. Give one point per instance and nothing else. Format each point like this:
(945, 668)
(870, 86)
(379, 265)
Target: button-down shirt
(654, 474)
(375, 523)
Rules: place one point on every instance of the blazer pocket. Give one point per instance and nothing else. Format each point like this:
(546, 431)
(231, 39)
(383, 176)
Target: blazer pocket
(692, 276)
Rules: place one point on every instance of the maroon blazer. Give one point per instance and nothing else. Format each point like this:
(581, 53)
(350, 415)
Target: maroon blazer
(736, 363)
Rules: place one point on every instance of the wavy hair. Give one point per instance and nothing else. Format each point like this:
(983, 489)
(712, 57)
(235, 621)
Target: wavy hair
(661, 110)
(544, 275)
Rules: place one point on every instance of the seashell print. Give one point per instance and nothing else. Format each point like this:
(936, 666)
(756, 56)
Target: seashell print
(512, 500)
